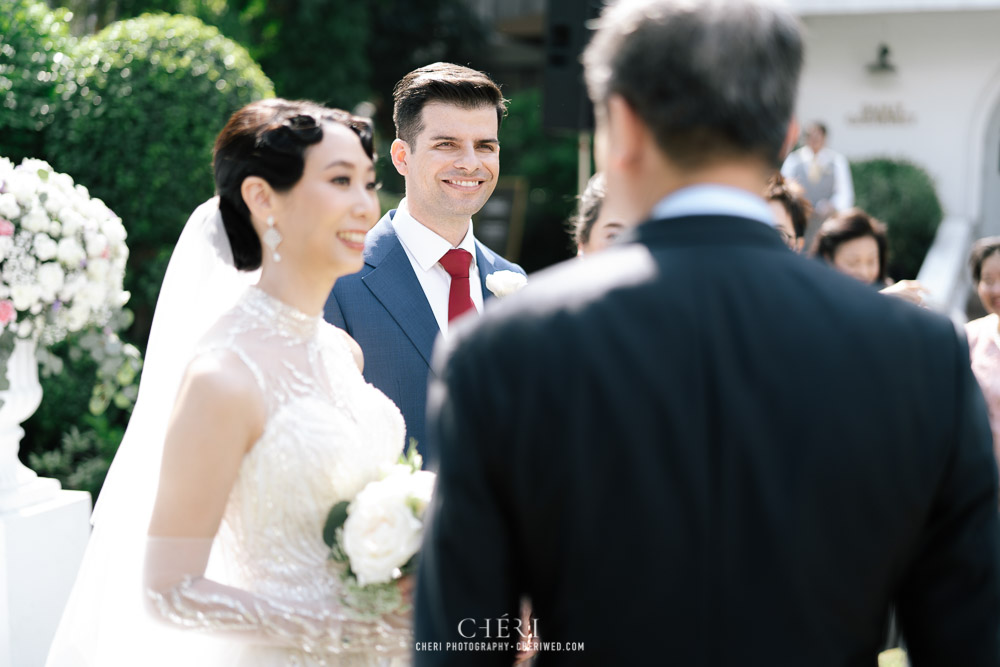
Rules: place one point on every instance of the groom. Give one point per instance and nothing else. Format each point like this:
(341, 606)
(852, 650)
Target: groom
(423, 266)
(700, 448)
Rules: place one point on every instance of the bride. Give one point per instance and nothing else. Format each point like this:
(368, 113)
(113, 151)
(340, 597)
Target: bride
(271, 424)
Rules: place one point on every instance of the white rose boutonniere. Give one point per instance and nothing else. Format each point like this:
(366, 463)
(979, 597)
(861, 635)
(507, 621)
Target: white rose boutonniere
(505, 283)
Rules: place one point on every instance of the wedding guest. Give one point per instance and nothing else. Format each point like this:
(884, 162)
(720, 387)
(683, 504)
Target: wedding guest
(253, 420)
(855, 243)
(423, 266)
(824, 173)
(633, 442)
(984, 333)
(791, 210)
(594, 226)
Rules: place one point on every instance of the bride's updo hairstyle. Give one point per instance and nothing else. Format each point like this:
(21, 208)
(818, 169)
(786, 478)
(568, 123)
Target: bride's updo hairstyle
(269, 139)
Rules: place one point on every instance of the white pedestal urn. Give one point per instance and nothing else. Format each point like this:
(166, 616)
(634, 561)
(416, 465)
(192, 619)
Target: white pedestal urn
(19, 485)
(43, 530)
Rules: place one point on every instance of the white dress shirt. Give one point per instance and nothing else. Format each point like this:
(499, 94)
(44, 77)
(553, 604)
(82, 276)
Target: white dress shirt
(425, 248)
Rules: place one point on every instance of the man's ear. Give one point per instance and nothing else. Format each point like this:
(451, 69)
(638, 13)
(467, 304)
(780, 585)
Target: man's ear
(627, 137)
(791, 136)
(258, 196)
(399, 151)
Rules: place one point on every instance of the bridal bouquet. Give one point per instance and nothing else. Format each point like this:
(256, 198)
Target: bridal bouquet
(62, 255)
(376, 535)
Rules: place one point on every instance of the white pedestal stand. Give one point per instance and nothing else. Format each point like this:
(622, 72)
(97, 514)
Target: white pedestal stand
(43, 529)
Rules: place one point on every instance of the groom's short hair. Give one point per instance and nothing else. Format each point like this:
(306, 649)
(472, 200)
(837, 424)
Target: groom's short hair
(712, 80)
(446, 83)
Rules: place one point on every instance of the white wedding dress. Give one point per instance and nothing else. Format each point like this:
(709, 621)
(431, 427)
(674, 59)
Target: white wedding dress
(269, 595)
(328, 433)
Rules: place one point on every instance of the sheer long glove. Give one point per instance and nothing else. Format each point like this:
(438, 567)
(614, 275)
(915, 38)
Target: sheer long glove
(178, 593)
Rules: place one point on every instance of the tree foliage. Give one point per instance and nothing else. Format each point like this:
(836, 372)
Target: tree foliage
(900, 194)
(139, 117)
(34, 45)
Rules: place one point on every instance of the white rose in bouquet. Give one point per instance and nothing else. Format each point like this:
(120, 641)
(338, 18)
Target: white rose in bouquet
(381, 533)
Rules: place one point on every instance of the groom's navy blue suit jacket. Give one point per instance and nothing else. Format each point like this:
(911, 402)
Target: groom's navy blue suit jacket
(383, 307)
(701, 449)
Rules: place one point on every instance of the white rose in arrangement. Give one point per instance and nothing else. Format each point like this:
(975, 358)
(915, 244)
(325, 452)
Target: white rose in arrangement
(48, 225)
(24, 296)
(72, 221)
(505, 283)
(50, 279)
(92, 296)
(98, 269)
(9, 207)
(23, 186)
(70, 252)
(55, 201)
(96, 244)
(45, 247)
(64, 182)
(115, 231)
(76, 318)
(35, 220)
(381, 533)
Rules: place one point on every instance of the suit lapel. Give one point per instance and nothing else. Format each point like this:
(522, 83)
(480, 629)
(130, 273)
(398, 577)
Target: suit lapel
(485, 262)
(395, 285)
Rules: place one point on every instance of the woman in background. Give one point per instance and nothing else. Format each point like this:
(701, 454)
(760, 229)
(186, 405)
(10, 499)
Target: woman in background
(791, 210)
(984, 333)
(855, 243)
(595, 226)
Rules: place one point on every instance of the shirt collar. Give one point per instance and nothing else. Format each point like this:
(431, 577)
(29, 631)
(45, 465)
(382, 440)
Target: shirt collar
(425, 245)
(713, 200)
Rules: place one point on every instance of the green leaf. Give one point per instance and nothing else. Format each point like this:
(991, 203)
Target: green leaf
(334, 520)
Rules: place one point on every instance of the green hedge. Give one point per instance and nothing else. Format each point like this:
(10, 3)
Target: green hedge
(902, 195)
(138, 118)
(34, 46)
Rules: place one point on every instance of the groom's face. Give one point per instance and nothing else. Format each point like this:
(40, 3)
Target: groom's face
(451, 166)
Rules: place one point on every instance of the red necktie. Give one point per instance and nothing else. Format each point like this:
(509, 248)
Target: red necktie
(456, 262)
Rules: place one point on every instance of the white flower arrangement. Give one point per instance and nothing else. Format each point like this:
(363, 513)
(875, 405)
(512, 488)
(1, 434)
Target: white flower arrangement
(377, 535)
(505, 283)
(62, 255)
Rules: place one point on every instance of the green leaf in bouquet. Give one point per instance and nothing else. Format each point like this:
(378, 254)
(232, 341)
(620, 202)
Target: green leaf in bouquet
(411, 457)
(334, 520)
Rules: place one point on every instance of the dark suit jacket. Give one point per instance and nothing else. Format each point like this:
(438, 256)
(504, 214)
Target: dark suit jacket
(384, 309)
(702, 449)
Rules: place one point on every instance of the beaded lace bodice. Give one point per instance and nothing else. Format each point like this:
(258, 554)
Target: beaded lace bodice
(327, 434)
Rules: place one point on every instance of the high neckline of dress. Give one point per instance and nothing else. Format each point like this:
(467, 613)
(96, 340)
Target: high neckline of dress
(281, 315)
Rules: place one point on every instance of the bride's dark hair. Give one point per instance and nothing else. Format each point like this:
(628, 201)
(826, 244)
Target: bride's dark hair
(269, 138)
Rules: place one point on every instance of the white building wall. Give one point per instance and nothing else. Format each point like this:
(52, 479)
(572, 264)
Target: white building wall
(942, 94)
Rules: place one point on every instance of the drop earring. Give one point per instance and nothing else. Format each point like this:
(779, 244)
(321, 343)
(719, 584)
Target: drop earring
(272, 239)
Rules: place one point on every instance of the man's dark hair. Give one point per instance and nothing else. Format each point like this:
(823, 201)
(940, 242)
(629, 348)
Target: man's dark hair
(445, 83)
(711, 80)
